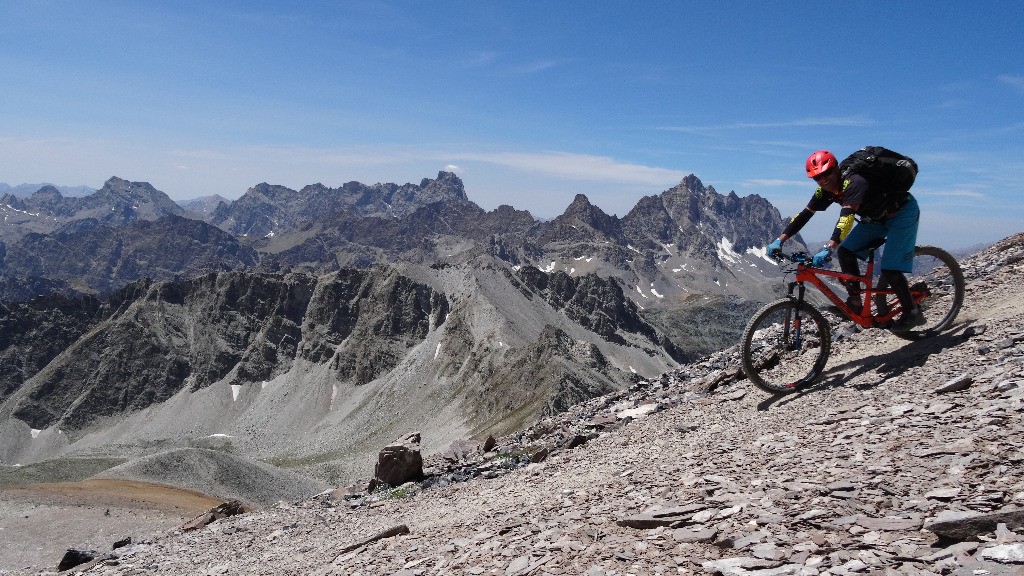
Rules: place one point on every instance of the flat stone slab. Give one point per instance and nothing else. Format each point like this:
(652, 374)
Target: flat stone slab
(666, 517)
(962, 527)
(890, 524)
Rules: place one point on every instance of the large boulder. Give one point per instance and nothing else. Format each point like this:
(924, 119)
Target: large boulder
(399, 462)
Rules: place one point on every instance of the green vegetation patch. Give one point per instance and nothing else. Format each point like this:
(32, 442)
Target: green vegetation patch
(59, 470)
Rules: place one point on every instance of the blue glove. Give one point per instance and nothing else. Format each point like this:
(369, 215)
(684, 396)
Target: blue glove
(775, 248)
(822, 257)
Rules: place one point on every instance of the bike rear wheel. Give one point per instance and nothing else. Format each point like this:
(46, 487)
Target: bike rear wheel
(785, 346)
(937, 274)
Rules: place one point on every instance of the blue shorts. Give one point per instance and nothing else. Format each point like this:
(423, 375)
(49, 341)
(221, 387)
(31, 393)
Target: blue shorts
(900, 233)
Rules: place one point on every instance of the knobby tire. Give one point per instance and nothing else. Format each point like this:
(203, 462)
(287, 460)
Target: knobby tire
(773, 357)
(942, 276)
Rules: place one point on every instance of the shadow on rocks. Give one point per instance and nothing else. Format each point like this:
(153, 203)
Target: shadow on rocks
(888, 365)
(914, 354)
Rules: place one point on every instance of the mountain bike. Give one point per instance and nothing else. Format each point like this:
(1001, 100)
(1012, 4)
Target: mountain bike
(786, 344)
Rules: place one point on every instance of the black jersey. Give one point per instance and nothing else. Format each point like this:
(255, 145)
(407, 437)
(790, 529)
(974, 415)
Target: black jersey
(874, 203)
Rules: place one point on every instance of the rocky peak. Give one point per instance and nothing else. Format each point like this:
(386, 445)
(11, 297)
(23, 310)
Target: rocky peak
(130, 201)
(581, 208)
(688, 201)
(118, 202)
(120, 188)
(649, 217)
(406, 199)
(312, 189)
(582, 222)
(13, 201)
(447, 186)
(47, 195)
(691, 183)
(268, 192)
(204, 206)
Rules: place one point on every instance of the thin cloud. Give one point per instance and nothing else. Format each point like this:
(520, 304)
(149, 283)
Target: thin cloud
(284, 164)
(764, 182)
(797, 123)
(579, 167)
(480, 59)
(540, 66)
(781, 144)
(1015, 81)
(963, 193)
(336, 157)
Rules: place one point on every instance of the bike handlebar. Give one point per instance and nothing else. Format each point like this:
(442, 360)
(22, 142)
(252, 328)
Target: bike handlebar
(796, 257)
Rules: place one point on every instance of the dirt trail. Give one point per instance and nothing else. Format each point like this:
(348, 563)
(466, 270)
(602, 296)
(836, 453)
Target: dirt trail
(38, 522)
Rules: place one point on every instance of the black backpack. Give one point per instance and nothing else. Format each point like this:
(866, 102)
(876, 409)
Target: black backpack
(892, 172)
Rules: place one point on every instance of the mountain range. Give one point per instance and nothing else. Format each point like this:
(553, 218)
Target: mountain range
(29, 189)
(311, 326)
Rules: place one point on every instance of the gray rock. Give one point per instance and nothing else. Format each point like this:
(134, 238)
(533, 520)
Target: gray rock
(399, 462)
(1005, 553)
(957, 384)
(664, 517)
(73, 558)
(961, 527)
(890, 523)
(693, 535)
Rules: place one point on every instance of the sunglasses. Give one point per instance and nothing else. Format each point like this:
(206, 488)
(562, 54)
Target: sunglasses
(824, 176)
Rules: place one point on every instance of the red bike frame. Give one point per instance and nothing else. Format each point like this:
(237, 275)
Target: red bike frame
(863, 317)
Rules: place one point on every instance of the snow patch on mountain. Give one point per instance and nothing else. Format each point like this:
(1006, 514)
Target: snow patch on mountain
(761, 252)
(726, 253)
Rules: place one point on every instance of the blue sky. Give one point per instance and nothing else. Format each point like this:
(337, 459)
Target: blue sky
(529, 102)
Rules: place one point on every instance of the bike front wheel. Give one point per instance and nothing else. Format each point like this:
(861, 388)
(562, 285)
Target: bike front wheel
(785, 346)
(938, 277)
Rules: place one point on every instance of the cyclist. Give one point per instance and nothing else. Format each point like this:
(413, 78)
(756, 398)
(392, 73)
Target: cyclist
(890, 216)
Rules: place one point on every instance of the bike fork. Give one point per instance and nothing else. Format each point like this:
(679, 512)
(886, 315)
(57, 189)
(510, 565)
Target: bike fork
(793, 324)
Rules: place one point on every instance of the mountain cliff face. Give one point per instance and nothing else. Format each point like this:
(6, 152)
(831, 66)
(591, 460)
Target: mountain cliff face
(88, 256)
(239, 328)
(582, 222)
(33, 333)
(349, 354)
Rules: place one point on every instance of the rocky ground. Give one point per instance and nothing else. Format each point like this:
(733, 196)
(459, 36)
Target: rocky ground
(906, 459)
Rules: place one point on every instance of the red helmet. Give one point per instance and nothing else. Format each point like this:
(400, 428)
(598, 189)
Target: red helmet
(820, 162)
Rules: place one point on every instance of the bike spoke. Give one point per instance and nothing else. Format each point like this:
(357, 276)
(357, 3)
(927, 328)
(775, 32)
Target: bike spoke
(785, 348)
(938, 283)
